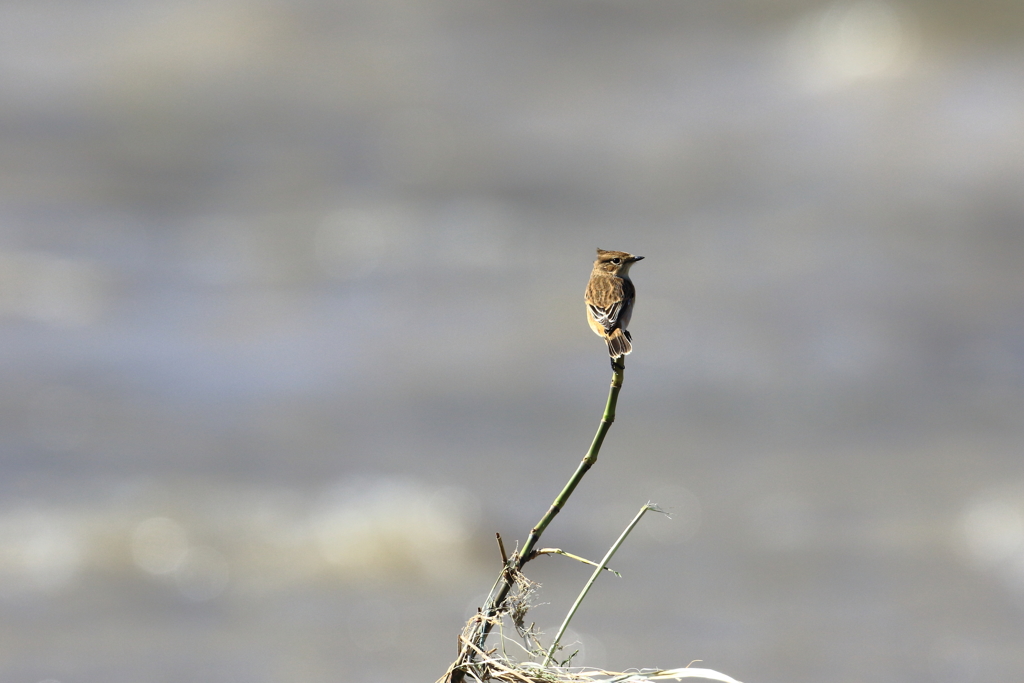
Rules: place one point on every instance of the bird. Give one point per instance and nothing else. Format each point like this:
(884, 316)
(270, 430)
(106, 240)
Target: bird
(609, 298)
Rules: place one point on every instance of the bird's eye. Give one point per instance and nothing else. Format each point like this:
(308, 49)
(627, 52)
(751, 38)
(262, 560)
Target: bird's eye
(616, 261)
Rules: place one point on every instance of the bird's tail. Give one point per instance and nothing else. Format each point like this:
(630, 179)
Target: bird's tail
(618, 343)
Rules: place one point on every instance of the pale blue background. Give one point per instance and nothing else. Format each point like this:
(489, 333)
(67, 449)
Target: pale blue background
(291, 307)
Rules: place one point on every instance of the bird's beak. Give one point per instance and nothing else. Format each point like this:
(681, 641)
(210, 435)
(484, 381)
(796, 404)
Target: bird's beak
(636, 258)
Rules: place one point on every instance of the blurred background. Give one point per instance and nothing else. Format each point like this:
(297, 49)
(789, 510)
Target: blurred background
(291, 324)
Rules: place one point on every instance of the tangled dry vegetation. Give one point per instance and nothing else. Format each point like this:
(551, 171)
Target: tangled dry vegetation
(496, 664)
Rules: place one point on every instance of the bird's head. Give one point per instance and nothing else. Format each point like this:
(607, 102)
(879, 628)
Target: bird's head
(615, 262)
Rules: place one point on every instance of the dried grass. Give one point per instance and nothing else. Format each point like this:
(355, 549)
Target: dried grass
(496, 664)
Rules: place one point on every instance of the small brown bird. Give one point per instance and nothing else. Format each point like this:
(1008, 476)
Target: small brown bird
(610, 296)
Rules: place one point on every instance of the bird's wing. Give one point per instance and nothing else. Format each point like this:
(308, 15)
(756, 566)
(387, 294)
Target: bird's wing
(607, 317)
(606, 298)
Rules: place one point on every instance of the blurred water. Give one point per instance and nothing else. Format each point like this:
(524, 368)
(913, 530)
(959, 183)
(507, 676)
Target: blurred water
(291, 324)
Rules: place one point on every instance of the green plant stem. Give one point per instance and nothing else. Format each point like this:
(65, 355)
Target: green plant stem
(588, 461)
(502, 586)
(593, 577)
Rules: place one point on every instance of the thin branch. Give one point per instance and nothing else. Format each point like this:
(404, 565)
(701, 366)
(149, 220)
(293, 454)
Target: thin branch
(503, 585)
(501, 548)
(593, 578)
(559, 551)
